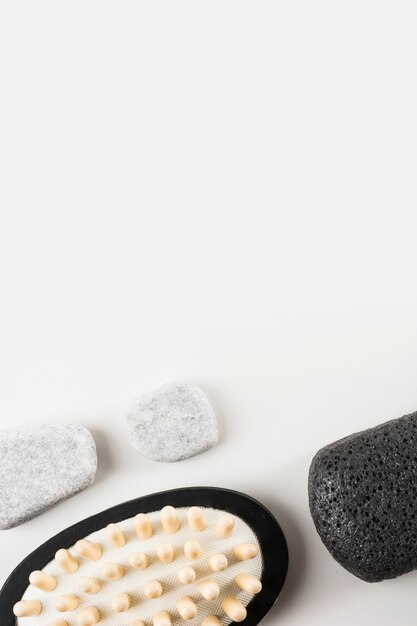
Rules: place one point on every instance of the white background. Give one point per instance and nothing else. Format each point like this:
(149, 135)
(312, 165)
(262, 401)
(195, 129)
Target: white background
(222, 192)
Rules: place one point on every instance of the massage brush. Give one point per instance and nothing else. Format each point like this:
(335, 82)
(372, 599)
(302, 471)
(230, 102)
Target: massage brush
(198, 556)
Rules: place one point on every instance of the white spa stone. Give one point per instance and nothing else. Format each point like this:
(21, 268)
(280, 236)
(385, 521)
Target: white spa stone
(173, 423)
(41, 465)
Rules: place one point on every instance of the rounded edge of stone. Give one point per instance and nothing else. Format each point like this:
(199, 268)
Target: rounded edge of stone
(91, 444)
(312, 478)
(363, 574)
(74, 429)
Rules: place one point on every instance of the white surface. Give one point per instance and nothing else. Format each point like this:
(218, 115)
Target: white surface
(222, 192)
(134, 580)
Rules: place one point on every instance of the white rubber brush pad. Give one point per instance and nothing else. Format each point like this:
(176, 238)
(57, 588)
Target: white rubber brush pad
(134, 580)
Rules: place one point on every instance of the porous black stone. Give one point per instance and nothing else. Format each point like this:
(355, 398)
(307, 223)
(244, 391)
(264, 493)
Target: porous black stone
(363, 499)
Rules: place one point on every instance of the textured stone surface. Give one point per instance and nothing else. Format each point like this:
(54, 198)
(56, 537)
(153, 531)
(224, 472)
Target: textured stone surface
(41, 465)
(363, 499)
(173, 423)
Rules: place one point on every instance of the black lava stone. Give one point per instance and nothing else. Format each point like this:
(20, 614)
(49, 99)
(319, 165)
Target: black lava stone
(363, 499)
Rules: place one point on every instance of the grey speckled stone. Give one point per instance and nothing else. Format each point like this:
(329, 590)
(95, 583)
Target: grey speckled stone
(41, 465)
(363, 499)
(173, 423)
